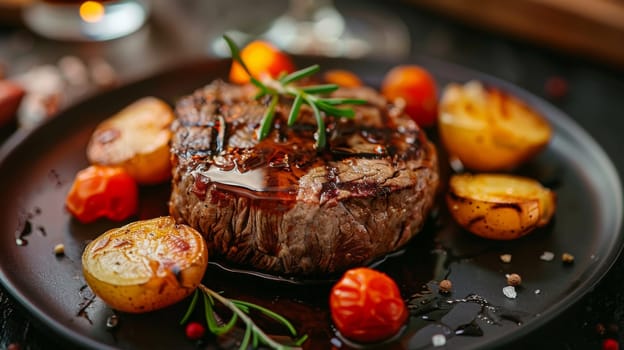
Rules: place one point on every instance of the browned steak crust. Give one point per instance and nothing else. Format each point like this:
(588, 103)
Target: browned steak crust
(282, 206)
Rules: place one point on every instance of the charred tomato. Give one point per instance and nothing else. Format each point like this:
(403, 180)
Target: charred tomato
(102, 191)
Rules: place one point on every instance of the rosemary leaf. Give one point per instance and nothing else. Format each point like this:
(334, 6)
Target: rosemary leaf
(294, 111)
(320, 129)
(245, 342)
(211, 321)
(300, 74)
(267, 119)
(254, 341)
(260, 94)
(228, 326)
(236, 54)
(263, 88)
(344, 101)
(301, 94)
(336, 112)
(279, 318)
(319, 89)
(209, 314)
(301, 340)
(263, 337)
(244, 308)
(190, 309)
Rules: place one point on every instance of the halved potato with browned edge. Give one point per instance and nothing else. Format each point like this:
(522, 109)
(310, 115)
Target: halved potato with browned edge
(145, 265)
(499, 206)
(488, 129)
(136, 139)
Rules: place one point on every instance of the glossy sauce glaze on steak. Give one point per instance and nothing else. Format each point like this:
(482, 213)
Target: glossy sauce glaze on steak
(281, 206)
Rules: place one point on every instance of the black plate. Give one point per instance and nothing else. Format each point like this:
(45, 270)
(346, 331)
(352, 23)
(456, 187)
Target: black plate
(36, 170)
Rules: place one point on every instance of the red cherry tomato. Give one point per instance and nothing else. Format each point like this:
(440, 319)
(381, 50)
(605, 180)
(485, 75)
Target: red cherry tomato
(11, 95)
(610, 344)
(101, 191)
(261, 58)
(417, 88)
(366, 306)
(342, 77)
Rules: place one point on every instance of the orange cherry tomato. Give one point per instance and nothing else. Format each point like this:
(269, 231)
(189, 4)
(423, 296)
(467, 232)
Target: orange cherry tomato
(261, 58)
(417, 88)
(342, 77)
(101, 191)
(366, 306)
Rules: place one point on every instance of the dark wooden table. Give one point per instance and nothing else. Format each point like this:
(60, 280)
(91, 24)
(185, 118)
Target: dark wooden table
(594, 99)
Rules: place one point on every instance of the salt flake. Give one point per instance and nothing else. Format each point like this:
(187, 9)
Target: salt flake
(547, 256)
(438, 340)
(456, 164)
(510, 292)
(335, 342)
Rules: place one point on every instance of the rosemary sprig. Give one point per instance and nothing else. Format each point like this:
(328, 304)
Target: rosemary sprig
(310, 95)
(240, 311)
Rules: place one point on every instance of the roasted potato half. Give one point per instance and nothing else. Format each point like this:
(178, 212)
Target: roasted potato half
(488, 129)
(145, 265)
(499, 206)
(136, 139)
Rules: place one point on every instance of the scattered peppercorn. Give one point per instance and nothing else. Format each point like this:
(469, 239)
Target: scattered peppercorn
(445, 286)
(613, 329)
(514, 279)
(556, 87)
(506, 258)
(600, 329)
(195, 331)
(59, 249)
(610, 344)
(567, 258)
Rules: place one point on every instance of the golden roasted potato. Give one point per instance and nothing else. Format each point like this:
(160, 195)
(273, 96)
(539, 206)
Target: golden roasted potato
(145, 265)
(499, 206)
(136, 139)
(488, 129)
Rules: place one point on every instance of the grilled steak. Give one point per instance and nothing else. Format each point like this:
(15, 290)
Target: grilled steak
(280, 205)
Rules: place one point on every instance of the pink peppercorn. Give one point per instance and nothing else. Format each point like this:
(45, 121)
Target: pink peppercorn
(610, 344)
(195, 331)
(556, 87)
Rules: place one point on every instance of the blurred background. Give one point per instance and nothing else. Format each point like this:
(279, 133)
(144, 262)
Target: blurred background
(54, 53)
(59, 51)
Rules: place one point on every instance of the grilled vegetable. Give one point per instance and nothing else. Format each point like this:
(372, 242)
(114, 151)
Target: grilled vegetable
(136, 139)
(488, 129)
(499, 206)
(102, 192)
(145, 265)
